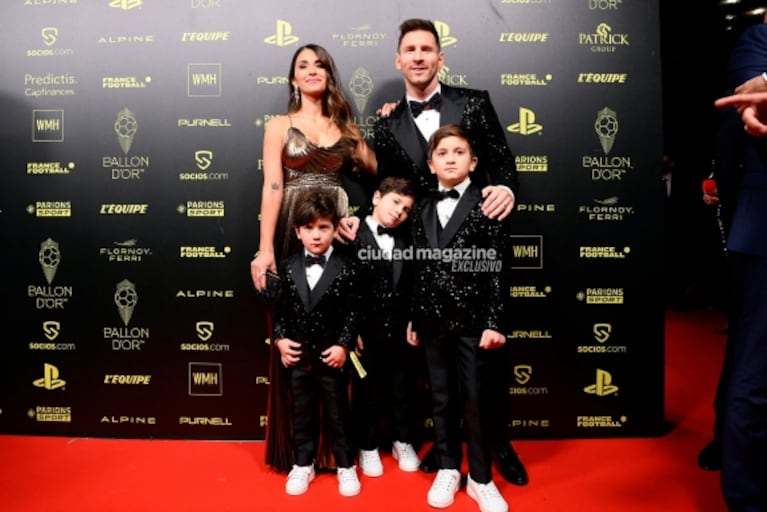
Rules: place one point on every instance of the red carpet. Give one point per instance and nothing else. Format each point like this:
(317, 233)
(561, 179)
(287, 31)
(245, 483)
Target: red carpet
(620, 475)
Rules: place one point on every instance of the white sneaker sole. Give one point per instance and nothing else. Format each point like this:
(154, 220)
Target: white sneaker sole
(349, 494)
(472, 495)
(373, 474)
(439, 504)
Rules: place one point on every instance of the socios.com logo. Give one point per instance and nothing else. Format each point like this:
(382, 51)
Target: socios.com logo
(523, 373)
(49, 35)
(602, 332)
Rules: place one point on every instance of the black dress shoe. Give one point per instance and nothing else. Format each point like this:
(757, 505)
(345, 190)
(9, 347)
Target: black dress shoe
(509, 466)
(710, 457)
(429, 461)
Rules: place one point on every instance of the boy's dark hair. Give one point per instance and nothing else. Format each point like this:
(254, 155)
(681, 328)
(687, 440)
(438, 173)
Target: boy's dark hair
(401, 186)
(313, 205)
(448, 130)
(414, 24)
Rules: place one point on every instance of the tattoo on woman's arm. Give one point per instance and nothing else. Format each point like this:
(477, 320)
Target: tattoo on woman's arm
(275, 186)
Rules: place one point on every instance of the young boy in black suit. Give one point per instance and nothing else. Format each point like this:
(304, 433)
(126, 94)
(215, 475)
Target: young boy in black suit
(315, 326)
(382, 400)
(456, 315)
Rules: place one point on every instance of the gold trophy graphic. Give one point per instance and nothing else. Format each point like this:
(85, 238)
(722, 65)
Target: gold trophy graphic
(49, 258)
(125, 299)
(361, 85)
(606, 127)
(125, 128)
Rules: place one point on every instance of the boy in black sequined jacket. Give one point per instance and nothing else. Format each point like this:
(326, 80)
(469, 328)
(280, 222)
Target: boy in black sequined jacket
(456, 313)
(316, 323)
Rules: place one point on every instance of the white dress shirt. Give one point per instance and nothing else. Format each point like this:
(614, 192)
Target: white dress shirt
(385, 241)
(314, 272)
(446, 207)
(428, 121)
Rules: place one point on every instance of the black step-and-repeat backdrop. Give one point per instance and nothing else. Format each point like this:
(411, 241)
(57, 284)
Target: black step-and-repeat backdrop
(130, 188)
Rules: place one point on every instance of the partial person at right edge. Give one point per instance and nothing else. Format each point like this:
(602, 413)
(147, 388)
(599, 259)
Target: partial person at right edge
(401, 150)
(744, 432)
(745, 74)
(728, 161)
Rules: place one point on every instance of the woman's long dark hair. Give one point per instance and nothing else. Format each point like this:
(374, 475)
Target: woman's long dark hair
(334, 102)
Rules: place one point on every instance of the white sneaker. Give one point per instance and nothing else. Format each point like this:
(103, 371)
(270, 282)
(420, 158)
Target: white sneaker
(443, 489)
(405, 454)
(370, 463)
(298, 479)
(487, 496)
(348, 483)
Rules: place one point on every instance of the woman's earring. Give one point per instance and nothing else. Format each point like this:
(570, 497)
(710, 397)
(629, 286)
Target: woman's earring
(296, 95)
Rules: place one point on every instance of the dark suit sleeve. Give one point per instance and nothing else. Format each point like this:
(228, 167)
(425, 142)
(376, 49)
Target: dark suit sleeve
(352, 306)
(496, 161)
(728, 161)
(494, 313)
(282, 305)
(415, 286)
(384, 146)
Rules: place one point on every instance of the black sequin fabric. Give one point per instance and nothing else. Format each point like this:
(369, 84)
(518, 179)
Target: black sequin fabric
(496, 164)
(453, 295)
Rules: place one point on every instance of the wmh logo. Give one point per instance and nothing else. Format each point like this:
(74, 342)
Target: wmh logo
(206, 379)
(47, 125)
(204, 80)
(527, 252)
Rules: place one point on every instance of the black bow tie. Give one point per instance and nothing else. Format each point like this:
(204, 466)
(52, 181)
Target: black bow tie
(384, 230)
(444, 194)
(419, 106)
(315, 260)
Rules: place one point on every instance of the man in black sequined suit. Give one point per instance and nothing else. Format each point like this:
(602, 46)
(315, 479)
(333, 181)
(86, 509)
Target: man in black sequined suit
(401, 144)
(316, 323)
(401, 137)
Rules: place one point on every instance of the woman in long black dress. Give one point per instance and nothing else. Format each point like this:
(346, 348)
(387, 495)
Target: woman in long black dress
(314, 145)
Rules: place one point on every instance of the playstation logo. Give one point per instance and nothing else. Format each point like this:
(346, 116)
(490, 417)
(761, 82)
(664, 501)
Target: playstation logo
(526, 124)
(283, 36)
(445, 39)
(50, 379)
(603, 385)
